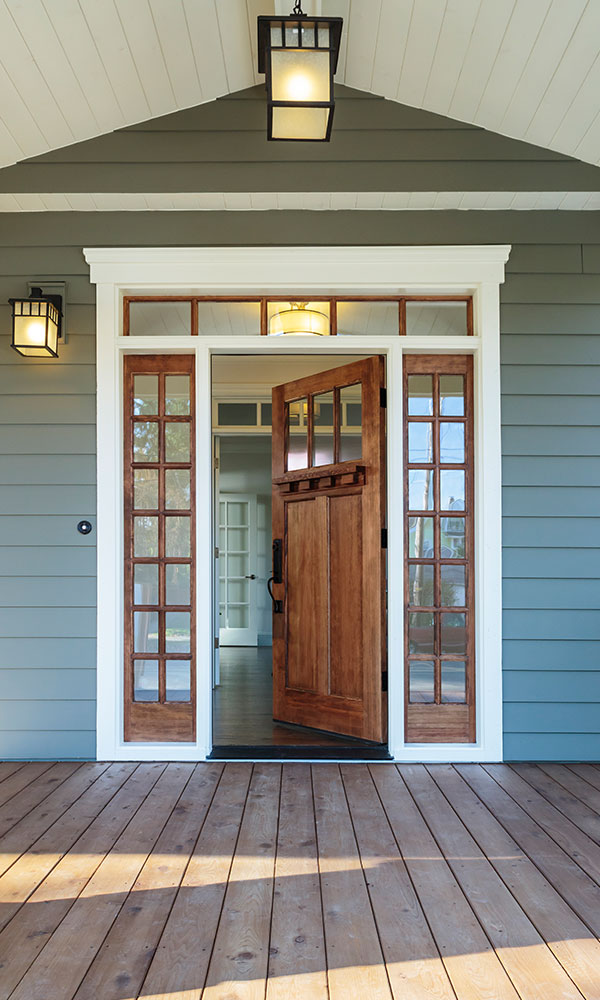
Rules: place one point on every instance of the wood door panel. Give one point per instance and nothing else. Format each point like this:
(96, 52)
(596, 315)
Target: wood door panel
(346, 595)
(306, 586)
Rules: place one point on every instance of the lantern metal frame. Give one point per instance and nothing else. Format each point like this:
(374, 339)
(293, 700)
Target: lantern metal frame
(54, 313)
(298, 21)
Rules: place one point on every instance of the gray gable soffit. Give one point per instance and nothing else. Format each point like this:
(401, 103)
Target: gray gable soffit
(383, 156)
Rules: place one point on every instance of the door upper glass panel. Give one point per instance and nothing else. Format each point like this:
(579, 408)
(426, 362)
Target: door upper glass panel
(324, 428)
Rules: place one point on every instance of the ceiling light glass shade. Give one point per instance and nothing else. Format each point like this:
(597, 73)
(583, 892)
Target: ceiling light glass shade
(299, 321)
(35, 327)
(299, 58)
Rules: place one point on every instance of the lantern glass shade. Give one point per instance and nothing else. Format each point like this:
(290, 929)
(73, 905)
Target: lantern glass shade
(35, 330)
(299, 319)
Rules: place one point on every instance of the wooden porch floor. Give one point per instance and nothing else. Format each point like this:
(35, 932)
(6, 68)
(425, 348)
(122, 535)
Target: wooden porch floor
(234, 881)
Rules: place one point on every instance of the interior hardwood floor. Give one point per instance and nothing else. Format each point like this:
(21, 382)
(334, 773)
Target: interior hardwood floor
(230, 881)
(243, 705)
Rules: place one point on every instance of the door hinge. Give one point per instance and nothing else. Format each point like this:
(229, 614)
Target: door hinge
(216, 643)
(216, 551)
(384, 538)
(384, 681)
(383, 397)
(216, 463)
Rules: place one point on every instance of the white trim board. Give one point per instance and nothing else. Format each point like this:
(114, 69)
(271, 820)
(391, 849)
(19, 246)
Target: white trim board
(315, 201)
(377, 270)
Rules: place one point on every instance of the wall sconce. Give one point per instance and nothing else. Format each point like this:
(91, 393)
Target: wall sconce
(37, 322)
(299, 321)
(299, 57)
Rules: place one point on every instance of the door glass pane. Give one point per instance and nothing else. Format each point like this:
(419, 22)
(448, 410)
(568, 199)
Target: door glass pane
(454, 634)
(420, 585)
(454, 681)
(436, 319)
(145, 536)
(453, 586)
(177, 489)
(145, 631)
(237, 513)
(420, 537)
(177, 395)
(145, 583)
(145, 395)
(452, 537)
(177, 442)
(145, 680)
(237, 617)
(178, 680)
(177, 631)
(420, 442)
(452, 395)
(237, 565)
(237, 591)
(297, 452)
(160, 319)
(177, 583)
(145, 489)
(237, 539)
(421, 681)
(420, 489)
(323, 429)
(177, 537)
(452, 442)
(452, 489)
(145, 441)
(420, 395)
(420, 632)
(350, 433)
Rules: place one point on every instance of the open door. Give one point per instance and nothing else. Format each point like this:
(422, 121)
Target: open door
(328, 585)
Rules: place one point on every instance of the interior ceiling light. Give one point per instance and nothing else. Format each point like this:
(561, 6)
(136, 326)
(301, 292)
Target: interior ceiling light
(299, 321)
(299, 56)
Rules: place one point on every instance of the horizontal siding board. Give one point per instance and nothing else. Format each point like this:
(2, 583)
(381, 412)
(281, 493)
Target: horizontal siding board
(543, 258)
(552, 624)
(564, 563)
(46, 560)
(551, 746)
(551, 380)
(54, 530)
(51, 439)
(546, 717)
(549, 593)
(44, 744)
(49, 470)
(547, 410)
(34, 260)
(540, 349)
(77, 683)
(556, 470)
(47, 653)
(591, 258)
(552, 532)
(536, 442)
(554, 686)
(60, 623)
(47, 591)
(46, 377)
(545, 320)
(49, 714)
(539, 501)
(71, 409)
(47, 500)
(550, 654)
(547, 288)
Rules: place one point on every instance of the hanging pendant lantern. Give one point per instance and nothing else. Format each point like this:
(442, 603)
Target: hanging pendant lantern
(299, 56)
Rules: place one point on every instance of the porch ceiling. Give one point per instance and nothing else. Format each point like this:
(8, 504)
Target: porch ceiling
(74, 69)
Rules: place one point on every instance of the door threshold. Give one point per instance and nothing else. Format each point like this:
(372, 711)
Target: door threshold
(357, 753)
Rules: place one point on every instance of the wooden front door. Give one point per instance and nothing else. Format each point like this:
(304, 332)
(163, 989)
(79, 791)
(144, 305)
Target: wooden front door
(329, 641)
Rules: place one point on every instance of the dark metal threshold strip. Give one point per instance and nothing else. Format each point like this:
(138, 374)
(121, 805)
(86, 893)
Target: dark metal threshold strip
(358, 752)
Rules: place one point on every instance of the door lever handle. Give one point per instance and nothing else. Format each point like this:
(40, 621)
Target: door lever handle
(251, 576)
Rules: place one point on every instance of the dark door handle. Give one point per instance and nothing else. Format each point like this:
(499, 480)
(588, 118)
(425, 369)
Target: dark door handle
(277, 575)
(277, 605)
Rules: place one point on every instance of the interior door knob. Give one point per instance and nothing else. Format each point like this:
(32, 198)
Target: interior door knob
(252, 576)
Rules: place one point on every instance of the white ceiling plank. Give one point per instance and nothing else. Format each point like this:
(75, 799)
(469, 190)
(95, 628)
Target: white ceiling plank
(235, 39)
(394, 22)
(362, 29)
(579, 127)
(488, 32)
(175, 42)
(80, 49)
(520, 37)
(254, 8)
(144, 43)
(341, 8)
(113, 49)
(580, 55)
(455, 35)
(203, 25)
(542, 61)
(23, 137)
(44, 44)
(589, 147)
(423, 34)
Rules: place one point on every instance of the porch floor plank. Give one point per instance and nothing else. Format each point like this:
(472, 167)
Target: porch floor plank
(304, 882)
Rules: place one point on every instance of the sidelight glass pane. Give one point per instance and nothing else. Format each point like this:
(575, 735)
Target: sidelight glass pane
(145, 395)
(453, 586)
(177, 680)
(177, 489)
(350, 432)
(145, 489)
(145, 441)
(145, 631)
(177, 583)
(452, 489)
(420, 489)
(454, 681)
(421, 632)
(421, 681)
(452, 395)
(420, 395)
(420, 442)
(452, 442)
(420, 537)
(454, 633)
(177, 537)
(452, 537)
(145, 536)
(177, 442)
(297, 450)
(177, 631)
(420, 585)
(436, 319)
(323, 429)
(177, 395)
(145, 680)
(145, 583)
(160, 319)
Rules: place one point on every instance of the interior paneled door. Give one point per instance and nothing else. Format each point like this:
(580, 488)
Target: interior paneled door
(329, 641)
